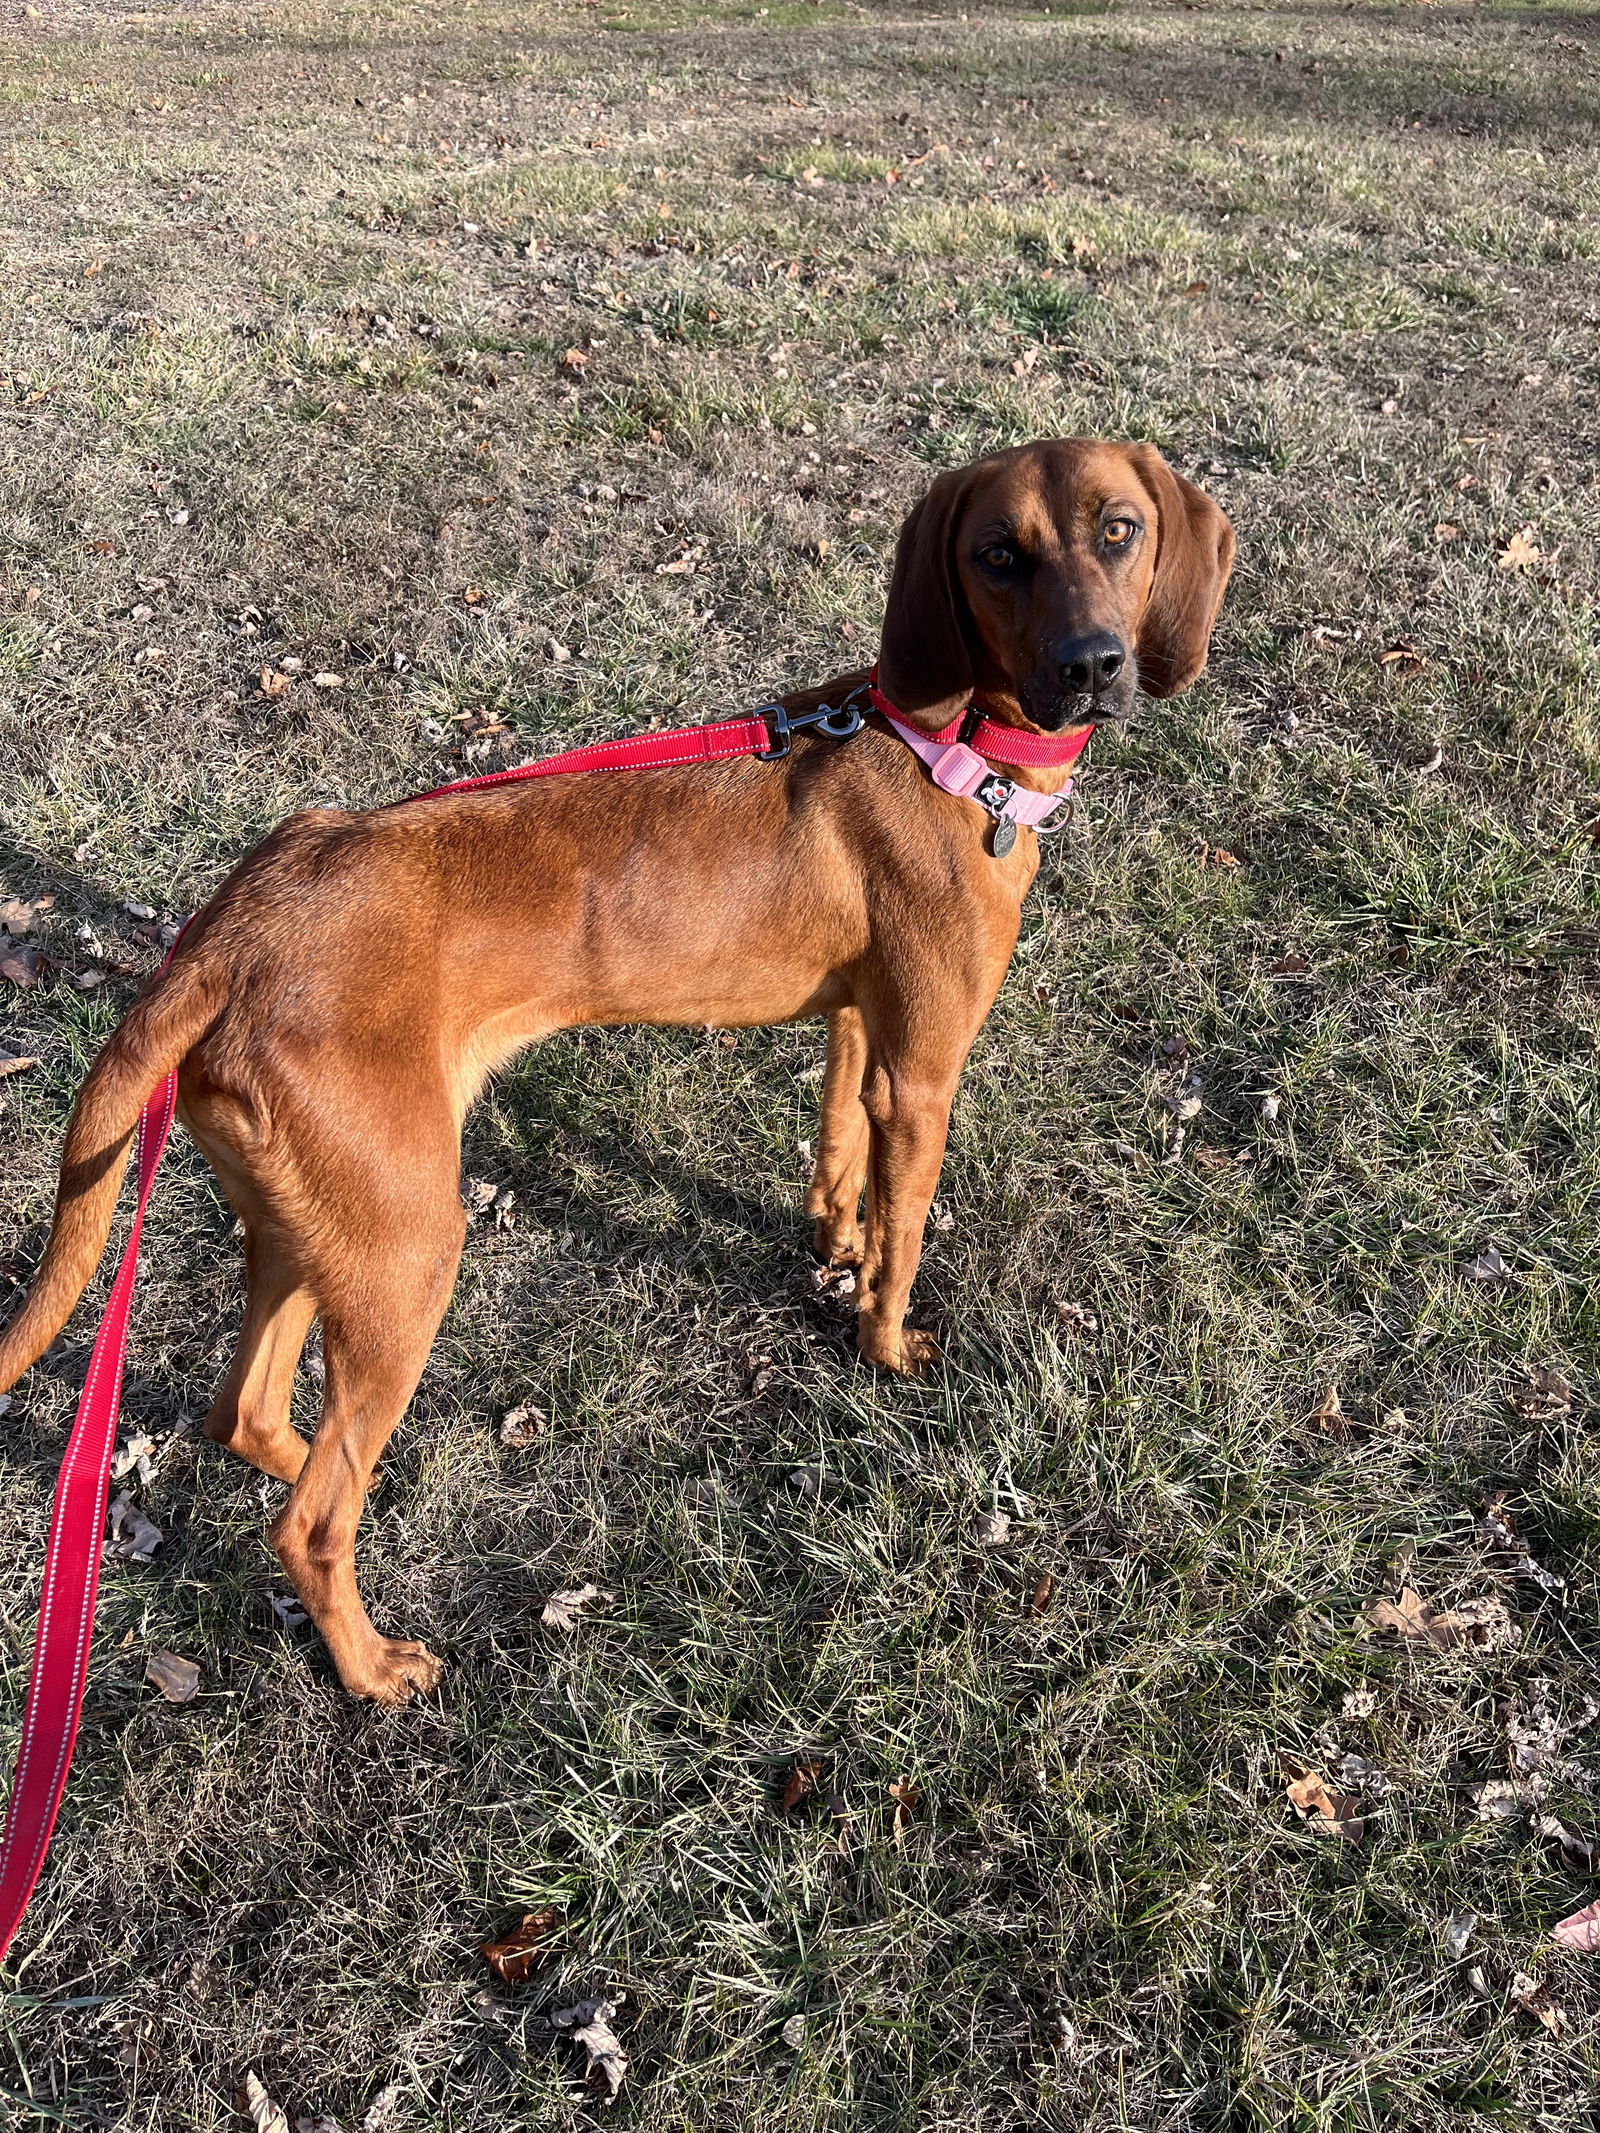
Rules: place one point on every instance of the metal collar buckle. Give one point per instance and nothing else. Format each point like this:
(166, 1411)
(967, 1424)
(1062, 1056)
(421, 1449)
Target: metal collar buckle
(839, 722)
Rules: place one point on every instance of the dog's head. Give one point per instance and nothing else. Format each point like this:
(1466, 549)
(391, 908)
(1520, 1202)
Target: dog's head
(1047, 582)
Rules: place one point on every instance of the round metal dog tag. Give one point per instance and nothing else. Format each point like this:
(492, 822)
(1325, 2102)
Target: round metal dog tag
(1005, 836)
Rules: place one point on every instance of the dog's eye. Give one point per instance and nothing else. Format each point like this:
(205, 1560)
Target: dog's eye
(998, 557)
(1119, 532)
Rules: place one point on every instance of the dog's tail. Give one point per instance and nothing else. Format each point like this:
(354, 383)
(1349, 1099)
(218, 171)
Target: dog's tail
(159, 1029)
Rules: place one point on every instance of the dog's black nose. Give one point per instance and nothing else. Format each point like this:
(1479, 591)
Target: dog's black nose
(1090, 664)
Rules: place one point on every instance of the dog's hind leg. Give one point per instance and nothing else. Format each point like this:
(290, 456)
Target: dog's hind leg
(381, 1306)
(250, 1413)
(840, 1176)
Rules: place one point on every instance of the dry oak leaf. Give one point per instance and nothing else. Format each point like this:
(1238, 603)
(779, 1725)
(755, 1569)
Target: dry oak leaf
(575, 361)
(178, 1679)
(1485, 1623)
(1531, 1997)
(1520, 551)
(801, 1785)
(256, 2105)
(590, 2025)
(514, 1956)
(1330, 1814)
(562, 1609)
(520, 1426)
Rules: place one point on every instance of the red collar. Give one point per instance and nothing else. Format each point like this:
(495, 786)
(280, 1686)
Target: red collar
(1002, 744)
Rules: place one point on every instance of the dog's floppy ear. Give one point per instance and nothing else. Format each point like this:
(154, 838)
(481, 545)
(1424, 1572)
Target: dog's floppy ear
(925, 660)
(1194, 554)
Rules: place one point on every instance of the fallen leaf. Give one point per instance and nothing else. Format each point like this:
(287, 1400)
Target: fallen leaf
(1074, 1319)
(1444, 531)
(1186, 1103)
(472, 595)
(1581, 1931)
(134, 1538)
(991, 1529)
(15, 1066)
(1434, 762)
(683, 565)
(327, 681)
(1197, 287)
(801, 1785)
(1501, 1536)
(1290, 966)
(479, 1195)
(177, 1679)
(907, 1798)
(520, 1426)
(256, 2105)
(1490, 1266)
(575, 361)
(19, 915)
(1545, 1396)
(319, 2124)
(384, 2109)
(273, 683)
(1039, 1605)
(514, 1956)
(135, 1455)
(1329, 1416)
(1579, 1854)
(1504, 1799)
(562, 1609)
(1457, 1931)
(1484, 1623)
(1520, 551)
(1329, 1814)
(590, 2025)
(1358, 1703)
(288, 1610)
(1210, 1158)
(1530, 1997)
(1217, 855)
(793, 2032)
(1402, 657)
(806, 1481)
(21, 967)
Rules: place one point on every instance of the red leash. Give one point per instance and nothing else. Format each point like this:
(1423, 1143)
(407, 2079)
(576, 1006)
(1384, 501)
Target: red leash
(72, 1558)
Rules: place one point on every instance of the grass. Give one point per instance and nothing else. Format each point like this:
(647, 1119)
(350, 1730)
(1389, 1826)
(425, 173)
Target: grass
(288, 296)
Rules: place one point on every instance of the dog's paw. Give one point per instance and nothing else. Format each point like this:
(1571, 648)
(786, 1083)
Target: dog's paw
(837, 1243)
(908, 1353)
(393, 1671)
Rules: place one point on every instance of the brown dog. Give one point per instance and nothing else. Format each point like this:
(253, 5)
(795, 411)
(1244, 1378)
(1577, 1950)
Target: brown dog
(328, 1090)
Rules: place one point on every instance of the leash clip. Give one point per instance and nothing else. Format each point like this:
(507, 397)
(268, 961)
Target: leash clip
(839, 722)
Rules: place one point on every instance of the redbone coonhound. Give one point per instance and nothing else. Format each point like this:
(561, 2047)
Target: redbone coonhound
(328, 1090)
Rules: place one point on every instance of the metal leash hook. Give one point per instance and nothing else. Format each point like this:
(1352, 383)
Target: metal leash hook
(840, 722)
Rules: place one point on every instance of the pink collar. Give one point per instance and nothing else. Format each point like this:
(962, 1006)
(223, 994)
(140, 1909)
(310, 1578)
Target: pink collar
(958, 766)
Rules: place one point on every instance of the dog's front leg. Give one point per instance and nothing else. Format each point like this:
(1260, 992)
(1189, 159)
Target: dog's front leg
(909, 1110)
(840, 1176)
